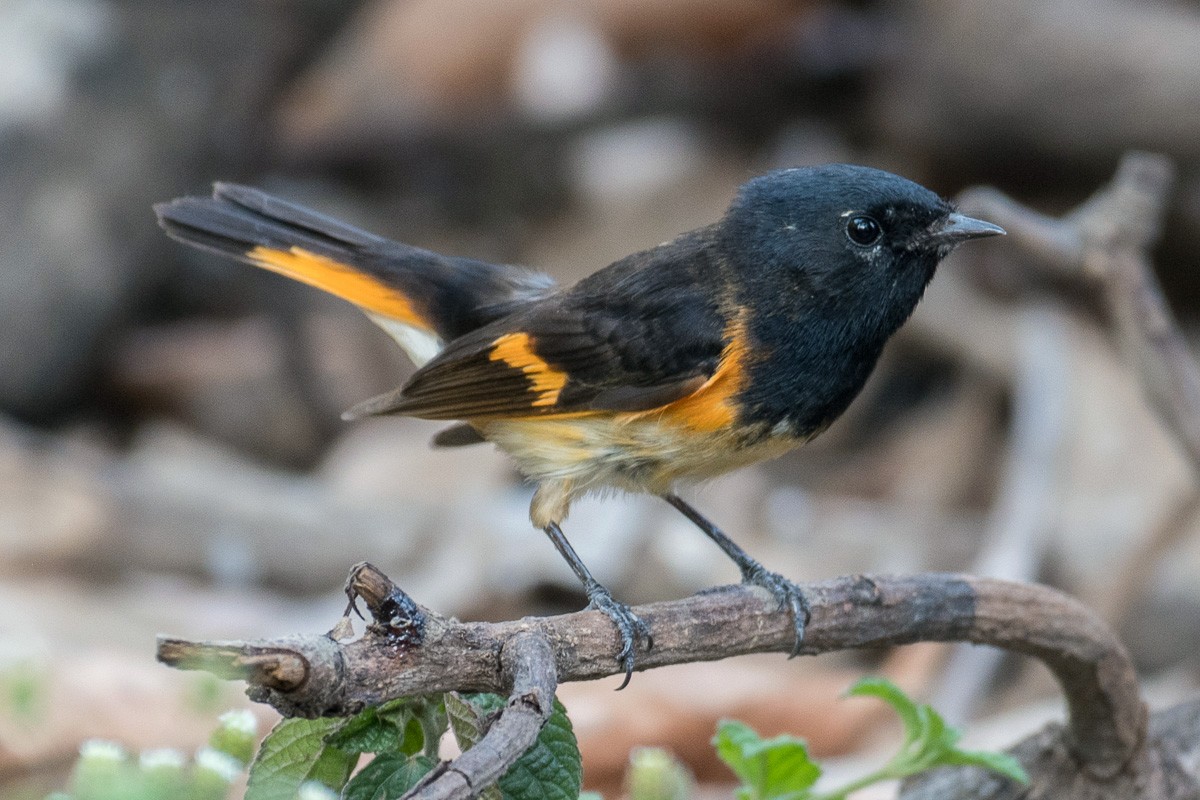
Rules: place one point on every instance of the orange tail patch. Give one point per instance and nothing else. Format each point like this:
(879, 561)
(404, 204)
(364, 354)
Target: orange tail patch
(341, 281)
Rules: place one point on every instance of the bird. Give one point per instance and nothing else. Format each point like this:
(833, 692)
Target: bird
(727, 345)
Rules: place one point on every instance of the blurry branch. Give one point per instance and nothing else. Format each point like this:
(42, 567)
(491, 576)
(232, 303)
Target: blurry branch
(1118, 605)
(409, 650)
(1015, 542)
(966, 65)
(1107, 241)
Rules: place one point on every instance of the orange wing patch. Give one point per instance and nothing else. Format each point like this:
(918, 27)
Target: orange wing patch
(516, 350)
(340, 280)
(713, 406)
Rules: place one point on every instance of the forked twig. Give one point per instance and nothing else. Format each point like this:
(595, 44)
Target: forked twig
(1107, 242)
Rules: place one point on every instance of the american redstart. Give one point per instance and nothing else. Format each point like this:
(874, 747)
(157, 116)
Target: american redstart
(730, 344)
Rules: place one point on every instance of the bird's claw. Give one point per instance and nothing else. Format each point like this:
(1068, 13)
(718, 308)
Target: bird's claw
(629, 625)
(788, 594)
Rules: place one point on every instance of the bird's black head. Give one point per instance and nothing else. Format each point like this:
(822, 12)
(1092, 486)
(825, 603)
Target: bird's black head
(853, 238)
(828, 263)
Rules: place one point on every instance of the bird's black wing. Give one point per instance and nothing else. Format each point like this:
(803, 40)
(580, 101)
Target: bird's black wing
(643, 333)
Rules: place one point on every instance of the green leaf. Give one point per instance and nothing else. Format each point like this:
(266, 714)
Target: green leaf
(24, 691)
(235, 735)
(212, 773)
(408, 725)
(421, 720)
(430, 712)
(929, 742)
(551, 769)
(367, 732)
(387, 777)
(295, 751)
(1002, 763)
(465, 720)
(890, 693)
(485, 702)
(768, 768)
(414, 740)
(104, 771)
(467, 723)
(332, 768)
(654, 774)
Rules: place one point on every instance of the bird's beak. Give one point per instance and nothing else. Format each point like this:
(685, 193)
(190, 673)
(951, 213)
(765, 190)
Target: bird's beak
(959, 228)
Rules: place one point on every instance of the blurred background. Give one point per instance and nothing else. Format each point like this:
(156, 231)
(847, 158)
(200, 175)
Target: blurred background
(171, 454)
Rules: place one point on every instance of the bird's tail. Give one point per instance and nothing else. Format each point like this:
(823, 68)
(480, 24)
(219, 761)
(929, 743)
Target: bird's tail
(421, 298)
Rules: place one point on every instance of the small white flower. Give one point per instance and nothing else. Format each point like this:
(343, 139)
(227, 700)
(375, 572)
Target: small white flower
(162, 758)
(240, 720)
(223, 765)
(101, 750)
(312, 790)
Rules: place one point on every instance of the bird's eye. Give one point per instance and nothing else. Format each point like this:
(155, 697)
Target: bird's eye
(863, 230)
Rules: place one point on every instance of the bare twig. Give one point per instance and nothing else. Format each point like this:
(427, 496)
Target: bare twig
(1107, 720)
(1118, 242)
(1107, 240)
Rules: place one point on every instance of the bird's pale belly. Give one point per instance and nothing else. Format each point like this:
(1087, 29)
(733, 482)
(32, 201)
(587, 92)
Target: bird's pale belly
(574, 455)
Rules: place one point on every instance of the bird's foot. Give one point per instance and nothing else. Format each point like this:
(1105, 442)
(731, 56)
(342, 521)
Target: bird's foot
(787, 593)
(629, 625)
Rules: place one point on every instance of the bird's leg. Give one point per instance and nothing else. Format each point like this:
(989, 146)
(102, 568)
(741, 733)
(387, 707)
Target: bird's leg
(628, 624)
(787, 593)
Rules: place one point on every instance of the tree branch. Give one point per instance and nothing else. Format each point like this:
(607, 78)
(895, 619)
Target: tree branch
(1107, 720)
(1107, 240)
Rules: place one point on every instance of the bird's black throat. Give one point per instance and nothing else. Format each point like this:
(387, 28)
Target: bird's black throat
(816, 353)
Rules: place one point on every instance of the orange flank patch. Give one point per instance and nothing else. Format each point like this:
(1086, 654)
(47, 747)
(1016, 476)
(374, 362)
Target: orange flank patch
(516, 350)
(340, 280)
(713, 406)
